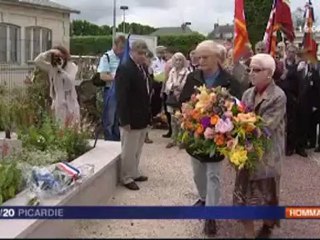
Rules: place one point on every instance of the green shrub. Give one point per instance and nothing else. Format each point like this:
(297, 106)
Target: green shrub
(90, 45)
(93, 45)
(11, 180)
(72, 139)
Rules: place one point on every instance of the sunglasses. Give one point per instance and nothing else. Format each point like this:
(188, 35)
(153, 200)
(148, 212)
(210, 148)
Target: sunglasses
(254, 70)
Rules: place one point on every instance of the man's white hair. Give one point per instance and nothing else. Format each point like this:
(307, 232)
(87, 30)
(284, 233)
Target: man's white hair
(209, 46)
(265, 61)
(223, 52)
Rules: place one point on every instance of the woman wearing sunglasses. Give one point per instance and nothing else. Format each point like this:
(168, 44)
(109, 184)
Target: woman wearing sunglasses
(261, 187)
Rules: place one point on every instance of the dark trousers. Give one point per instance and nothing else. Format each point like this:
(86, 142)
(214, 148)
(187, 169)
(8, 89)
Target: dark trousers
(303, 122)
(312, 133)
(291, 124)
(165, 108)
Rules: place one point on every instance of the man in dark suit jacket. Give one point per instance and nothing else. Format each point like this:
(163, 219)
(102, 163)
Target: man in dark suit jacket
(206, 173)
(133, 106)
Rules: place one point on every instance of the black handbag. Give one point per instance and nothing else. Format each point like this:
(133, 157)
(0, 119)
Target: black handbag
(172, 101)
(96, 79)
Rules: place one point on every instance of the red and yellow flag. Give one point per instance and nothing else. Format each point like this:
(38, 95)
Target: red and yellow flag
(241, 39)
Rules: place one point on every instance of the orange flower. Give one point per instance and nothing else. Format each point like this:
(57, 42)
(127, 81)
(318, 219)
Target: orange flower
(214, 119)
(249, 127)
(219, 139)
(188, 125)
(196, 115)
(200, 129)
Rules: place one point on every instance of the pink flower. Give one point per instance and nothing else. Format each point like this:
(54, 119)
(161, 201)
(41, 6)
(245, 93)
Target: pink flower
(224, 126)
(209, 133)
(230, 143)
(228, 114)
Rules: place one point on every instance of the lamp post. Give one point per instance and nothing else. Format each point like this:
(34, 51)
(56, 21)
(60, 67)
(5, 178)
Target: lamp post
(124, 9)
(184, 25)
(114, 20)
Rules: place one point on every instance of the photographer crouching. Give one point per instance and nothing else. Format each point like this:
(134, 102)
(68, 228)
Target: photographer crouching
(62, 73)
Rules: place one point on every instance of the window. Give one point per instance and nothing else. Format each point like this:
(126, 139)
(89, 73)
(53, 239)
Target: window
(38, 39)
(9, 43)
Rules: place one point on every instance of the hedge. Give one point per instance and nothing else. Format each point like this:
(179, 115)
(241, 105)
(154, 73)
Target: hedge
(90, 45)
(93, 45)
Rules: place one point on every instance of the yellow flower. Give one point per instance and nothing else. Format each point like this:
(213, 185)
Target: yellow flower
(246, 117)
(238, 156)
(203, 98)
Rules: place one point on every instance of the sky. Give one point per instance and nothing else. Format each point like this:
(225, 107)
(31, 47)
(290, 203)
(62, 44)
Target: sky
(164, 13)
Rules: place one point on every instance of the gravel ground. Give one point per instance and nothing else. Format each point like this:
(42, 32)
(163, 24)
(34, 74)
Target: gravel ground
(170, 183)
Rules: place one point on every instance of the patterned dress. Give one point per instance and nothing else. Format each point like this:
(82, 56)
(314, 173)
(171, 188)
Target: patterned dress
(262, 186)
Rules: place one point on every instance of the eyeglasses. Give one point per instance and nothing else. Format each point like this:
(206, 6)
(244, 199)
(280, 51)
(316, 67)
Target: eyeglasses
(254, 70)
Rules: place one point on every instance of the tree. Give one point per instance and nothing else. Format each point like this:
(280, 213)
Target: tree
(298, 18)
(136, 28)
(85, 28)
(257, 16)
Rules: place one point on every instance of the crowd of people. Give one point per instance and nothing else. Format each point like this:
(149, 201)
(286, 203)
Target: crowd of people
(283, 90)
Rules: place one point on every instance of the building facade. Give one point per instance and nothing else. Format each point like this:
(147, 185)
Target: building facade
(28, 27)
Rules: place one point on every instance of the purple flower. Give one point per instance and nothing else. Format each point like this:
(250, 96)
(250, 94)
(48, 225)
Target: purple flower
(205, 122)
(249, 146)
(257, 132)
(266, 132)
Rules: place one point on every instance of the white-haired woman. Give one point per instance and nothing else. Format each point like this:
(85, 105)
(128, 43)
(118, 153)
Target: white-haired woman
(174, 85)
(261, 187)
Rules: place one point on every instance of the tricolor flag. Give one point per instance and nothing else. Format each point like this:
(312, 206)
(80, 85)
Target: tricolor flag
(309, 44)
(241, 38)
(270, 35)
(280, 20)
(70, 170)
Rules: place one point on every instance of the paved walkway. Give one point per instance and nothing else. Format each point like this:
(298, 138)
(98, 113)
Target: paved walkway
(170, 183)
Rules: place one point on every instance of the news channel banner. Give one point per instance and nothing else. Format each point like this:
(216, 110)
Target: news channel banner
(140, 212)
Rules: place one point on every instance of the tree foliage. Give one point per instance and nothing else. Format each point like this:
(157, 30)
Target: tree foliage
(257, 16)
(85, 28)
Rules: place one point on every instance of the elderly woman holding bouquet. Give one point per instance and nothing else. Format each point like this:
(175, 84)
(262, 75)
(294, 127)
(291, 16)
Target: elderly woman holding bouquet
(259, 186)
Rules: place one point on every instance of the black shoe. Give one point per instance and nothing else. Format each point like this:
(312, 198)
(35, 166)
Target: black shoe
(317, 149)
(302, 153)
(168, 135)
(132, 186)
(141, 179)
(199, 203)
(210, 228)
(310, 146)
(264, 232)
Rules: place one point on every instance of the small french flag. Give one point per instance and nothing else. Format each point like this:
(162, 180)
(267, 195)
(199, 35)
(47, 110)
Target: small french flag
(70, 170)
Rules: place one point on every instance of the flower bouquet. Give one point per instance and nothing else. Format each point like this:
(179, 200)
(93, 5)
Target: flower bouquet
(215, 125)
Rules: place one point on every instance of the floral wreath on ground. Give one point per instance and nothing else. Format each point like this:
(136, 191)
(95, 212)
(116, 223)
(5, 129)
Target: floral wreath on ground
(214, 122)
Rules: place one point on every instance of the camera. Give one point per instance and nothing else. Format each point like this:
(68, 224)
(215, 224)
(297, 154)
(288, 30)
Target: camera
(56, 60)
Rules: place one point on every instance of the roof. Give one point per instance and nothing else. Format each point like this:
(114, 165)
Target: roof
(221, 29)
(171, 31)
(44, 4)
